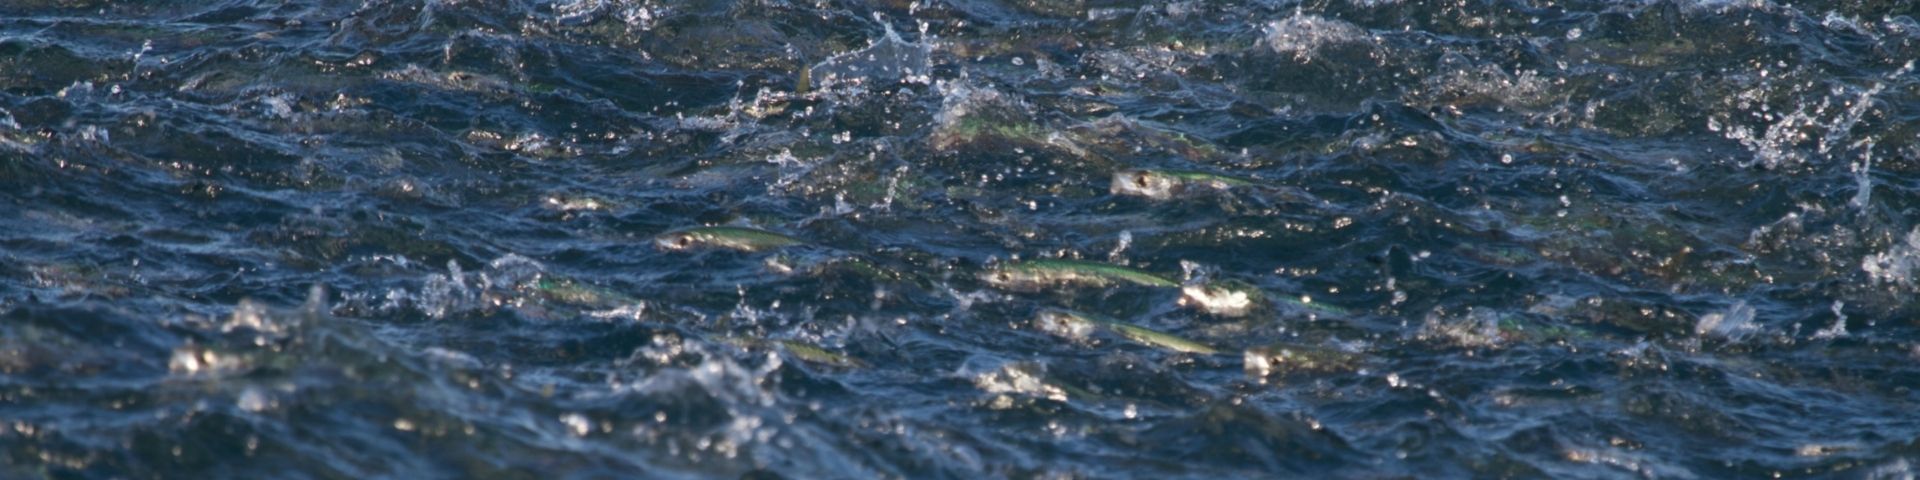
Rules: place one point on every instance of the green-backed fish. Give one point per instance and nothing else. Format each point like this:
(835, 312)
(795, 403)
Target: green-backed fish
(798, 350)
(1077, 325)
(1164, 184)
(723, 237)
(1032, 275)
(811, 353)
(580, 294)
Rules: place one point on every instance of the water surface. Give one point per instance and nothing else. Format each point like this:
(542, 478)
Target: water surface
(1499, 238)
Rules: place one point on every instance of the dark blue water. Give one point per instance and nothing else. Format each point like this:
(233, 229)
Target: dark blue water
(1480, 238)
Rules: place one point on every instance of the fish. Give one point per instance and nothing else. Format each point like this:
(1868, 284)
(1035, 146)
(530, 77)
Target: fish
(799, 350)
(1038, 274)
(1288, 358)
(1160, 184)
(814, 354)
(723, 237)
(1077, 325)
(580, 294)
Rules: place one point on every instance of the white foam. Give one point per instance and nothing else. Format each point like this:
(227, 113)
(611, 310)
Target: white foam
(1218, 301)
(1839, 328)
(1120, 246)
(1016, 379)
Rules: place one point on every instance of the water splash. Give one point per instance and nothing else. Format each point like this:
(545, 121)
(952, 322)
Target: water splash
(1302, 35)
(1732, 325)
(886, 59)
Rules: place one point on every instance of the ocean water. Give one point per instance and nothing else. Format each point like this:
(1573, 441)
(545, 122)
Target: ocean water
(1389, 239)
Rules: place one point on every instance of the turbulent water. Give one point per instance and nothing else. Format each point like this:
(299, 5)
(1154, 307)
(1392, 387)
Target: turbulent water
(1468, 238)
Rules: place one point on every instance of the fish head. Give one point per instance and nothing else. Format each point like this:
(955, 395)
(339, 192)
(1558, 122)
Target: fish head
(1064, 324)
(999, 277)
(1015, 277)
(676, 241)
(1142, 183)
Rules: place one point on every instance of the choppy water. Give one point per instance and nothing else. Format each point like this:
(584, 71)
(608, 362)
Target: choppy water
(1487, 238)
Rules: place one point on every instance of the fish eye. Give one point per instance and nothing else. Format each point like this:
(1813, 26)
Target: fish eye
(1140, 180)
(683, 241)
(1002, 276)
